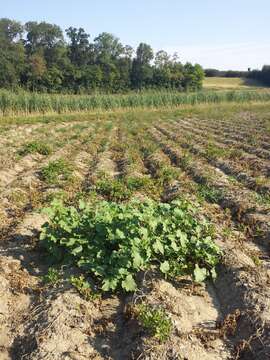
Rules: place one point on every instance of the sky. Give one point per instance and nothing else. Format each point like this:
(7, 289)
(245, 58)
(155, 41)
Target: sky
(222, 34)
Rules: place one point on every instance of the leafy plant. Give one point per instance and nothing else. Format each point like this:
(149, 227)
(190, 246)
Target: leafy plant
(55, 171)
(138, 183)
(35, 147)
(113, 242)
(52, 277)
(113, 189)
(167, 174)
(155, 321)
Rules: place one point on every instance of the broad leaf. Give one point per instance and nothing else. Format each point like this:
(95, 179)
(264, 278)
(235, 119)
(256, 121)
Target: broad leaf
(165, 267)
(200, 274)
(129, 284)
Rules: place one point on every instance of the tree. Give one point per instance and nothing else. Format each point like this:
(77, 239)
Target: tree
(78, 49)
(47, 56)
(144, 54)
(12, 56)
(193, 76)
(42, 36)
(162, 59)
(107, 47)
(142, 73)
(10, 30)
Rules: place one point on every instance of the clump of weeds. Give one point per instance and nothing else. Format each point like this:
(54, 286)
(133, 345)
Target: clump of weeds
(56, 171)
(35, 147)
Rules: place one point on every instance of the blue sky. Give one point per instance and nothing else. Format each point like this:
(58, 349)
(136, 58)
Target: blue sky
(231, 34)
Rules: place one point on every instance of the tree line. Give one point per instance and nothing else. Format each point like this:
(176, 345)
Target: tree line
(38, 57)
(225, 73)
(262, 75)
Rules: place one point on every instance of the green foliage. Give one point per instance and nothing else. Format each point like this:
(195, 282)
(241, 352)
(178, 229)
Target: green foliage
(136, 183)
(25, 102)
(56, 171)
(186, 160)
(261, 75)
(209, 193)
(52, 277)
(214, 152)
(113, 189)
(262, 199)
(36, 57)
(155, 321)
(83, 287)
(113, 242)
(35, 147)
(166, 174)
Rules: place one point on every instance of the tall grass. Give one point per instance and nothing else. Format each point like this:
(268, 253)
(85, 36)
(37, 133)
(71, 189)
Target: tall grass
(31, 103)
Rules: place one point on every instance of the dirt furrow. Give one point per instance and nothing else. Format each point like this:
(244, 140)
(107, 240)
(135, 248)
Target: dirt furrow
(257, 130)
(238, 200)
(255, 165)
(236, 291)
(261, 153)
(259, 184)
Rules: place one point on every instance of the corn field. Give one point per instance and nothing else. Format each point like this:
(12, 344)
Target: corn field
(31, 103)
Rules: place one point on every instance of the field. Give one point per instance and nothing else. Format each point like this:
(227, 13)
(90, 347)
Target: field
(222, 83)
(25, 103)
(201, 177)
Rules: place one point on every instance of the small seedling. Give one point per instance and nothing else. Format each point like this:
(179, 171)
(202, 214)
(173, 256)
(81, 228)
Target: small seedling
(227, 231)
(156, 321)
(83, 287)
(235, 154)
(257, 261)
(56, 195)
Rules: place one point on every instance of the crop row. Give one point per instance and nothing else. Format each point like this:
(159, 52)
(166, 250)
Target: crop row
(253, 173)
(23, 102)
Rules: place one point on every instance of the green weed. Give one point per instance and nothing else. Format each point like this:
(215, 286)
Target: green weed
(205, 192)
(55, 171)
(235, 154)
(156, 321)
(83, 287)
(113, 189)
(214, 152)
(166, 174)
(138, 183)
(52, 277)
(35, 147)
